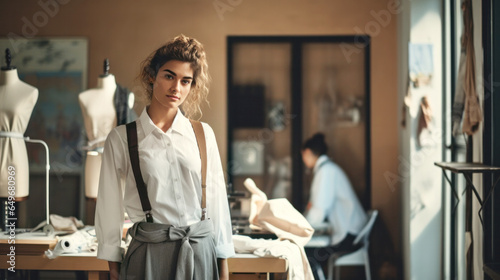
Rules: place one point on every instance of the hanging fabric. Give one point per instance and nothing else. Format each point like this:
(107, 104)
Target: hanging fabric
(121, 101)
(424, 118)
(466, 102)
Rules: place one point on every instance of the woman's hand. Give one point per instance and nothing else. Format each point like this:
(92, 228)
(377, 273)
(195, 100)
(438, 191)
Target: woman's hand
(114, 270)
(223, 269)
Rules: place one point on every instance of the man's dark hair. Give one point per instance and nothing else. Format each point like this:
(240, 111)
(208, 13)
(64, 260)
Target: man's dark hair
(316, 144)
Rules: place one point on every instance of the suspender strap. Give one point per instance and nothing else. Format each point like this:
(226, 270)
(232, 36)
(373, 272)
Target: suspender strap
(202, 146)
(141, 186)
(133, 150)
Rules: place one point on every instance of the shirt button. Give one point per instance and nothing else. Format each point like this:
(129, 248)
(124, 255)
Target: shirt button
(175, 180)
(182, 214)
(178, 197)
(168, 143)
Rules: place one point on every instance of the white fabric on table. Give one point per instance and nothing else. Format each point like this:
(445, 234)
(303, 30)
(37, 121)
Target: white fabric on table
(298, 265)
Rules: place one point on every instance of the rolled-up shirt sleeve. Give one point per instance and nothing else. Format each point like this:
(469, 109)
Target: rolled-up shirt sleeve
(217, 203)
(109, 208)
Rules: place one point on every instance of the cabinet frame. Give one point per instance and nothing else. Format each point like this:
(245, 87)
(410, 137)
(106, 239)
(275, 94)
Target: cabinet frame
(362, 42)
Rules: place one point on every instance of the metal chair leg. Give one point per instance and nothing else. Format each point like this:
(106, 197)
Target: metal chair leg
(367, 267)
(331, 267)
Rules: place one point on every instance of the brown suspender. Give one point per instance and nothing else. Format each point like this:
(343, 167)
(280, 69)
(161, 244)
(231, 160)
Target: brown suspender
(141, 186)
(202, 146)
(133, 151)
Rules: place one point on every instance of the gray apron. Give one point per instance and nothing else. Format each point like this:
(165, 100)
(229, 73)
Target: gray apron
(160, 251)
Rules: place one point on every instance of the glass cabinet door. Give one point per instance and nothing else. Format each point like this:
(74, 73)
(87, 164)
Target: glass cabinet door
(333, 103)
(282, 90)
(259, 99)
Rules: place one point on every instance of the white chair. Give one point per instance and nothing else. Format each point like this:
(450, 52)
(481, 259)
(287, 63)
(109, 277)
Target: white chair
(358, 257)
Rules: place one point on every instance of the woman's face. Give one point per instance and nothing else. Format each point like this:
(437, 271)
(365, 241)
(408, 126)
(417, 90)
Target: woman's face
(309, 158)
(172, 84)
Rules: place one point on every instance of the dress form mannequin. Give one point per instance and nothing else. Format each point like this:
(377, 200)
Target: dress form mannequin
(99, 116)
(17, 100)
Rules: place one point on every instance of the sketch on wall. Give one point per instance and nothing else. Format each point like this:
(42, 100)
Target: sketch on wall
(421, 73)
(58, 68)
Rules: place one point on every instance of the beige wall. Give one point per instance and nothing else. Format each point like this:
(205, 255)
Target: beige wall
(127, 31)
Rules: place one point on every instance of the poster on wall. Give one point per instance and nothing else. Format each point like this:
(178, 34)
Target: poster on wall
(421, 65)
(58, 68)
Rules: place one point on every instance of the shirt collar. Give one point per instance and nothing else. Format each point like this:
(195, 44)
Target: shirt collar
(179, 125)
(320, 160)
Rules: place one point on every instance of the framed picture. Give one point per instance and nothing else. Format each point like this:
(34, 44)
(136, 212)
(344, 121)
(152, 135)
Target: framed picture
(58, 68)
(248, 158)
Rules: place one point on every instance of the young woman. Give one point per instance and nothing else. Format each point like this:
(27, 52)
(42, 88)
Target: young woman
(179, 243)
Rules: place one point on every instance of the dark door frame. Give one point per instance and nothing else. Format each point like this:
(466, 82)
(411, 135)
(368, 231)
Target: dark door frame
(491, 136)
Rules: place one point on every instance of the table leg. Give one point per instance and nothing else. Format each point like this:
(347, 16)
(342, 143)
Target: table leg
(454, 192)
(468, 177)
(469, 253)
(488, 196)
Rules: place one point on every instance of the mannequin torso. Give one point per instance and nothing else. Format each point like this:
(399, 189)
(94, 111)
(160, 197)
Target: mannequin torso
(17, 102)
(99, 117)
(99, 114)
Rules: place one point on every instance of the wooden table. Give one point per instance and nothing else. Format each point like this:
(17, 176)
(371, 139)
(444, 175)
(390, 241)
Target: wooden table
(240, 263)
(83, 262)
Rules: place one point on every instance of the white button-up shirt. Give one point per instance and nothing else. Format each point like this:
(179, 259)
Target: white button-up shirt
(333, 198)
(171, 167)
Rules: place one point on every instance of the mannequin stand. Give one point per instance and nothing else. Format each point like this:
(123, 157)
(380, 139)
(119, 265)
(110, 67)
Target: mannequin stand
(47, 228)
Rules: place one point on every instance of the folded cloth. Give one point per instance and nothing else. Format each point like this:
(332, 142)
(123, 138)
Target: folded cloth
(70, 224)
(298, 264)
(280, 217)
(258, 200)
(277, 216)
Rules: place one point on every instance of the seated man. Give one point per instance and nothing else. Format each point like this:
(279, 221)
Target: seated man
(332, 199)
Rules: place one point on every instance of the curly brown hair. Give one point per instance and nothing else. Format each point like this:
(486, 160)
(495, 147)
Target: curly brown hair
(184, 49)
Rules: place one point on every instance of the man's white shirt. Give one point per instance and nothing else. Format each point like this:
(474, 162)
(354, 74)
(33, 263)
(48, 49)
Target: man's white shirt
(332, 197)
